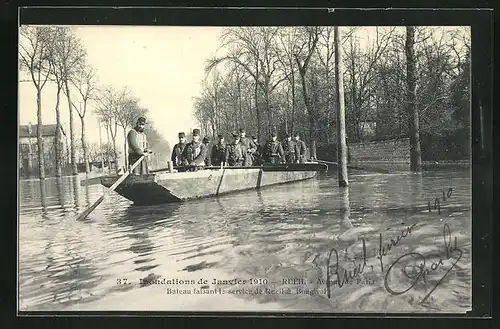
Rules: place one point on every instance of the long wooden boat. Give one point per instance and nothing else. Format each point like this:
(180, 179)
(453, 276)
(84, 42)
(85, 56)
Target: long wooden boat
(169, 187)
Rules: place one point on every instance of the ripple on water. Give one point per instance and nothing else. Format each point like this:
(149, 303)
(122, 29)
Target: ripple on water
(278, 232)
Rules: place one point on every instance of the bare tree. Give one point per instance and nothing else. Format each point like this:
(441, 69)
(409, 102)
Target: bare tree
(68, 54)
(303, 53)
(108, 104)
(34, 57)
(413, 120)
(85, 83)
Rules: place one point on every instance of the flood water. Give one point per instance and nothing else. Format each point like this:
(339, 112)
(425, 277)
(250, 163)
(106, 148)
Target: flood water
(264, 237)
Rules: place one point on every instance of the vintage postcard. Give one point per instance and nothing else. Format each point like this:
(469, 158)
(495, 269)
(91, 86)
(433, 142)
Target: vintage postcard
(245, 168)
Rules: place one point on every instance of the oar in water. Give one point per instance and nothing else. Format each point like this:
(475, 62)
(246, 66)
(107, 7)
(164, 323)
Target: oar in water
(375, 170)
(84, 214)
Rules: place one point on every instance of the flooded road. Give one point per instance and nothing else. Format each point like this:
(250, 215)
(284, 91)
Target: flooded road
(262, 250)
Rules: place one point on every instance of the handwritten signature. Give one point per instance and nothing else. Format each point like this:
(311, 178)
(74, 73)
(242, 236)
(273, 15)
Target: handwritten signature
(348, 276)
(413, 265)
(420, 272)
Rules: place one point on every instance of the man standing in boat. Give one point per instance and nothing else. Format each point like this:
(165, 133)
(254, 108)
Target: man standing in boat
(257, 155)
(137, 147)
(273, 151)
(219, 152)
(301, 148)
(208, 153)
(236, 152)
(250, 147)
(178, 150)
(195, 152)
(290, 149)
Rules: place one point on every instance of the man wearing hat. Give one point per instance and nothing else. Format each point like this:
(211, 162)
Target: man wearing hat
(290, 149)
(219, 152)
(302, 149)
(178, 150)
(236, 152)
(273, 151)
(195, 152)
(249, 145)
(208, 148)
(137, 147)
(257, 155)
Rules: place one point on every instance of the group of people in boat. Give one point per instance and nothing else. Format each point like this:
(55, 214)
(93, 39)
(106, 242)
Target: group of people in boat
(199, 153)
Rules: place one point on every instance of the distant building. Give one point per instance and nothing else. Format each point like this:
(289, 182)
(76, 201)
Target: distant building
(28, 148)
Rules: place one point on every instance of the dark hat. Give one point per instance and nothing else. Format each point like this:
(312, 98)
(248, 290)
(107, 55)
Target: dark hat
(181, 134)
(235, 134)
(242, 130)
(253, 137)
(287, 135)
(206, 140)
(196, 132)
(220, 136)
(141, 120)
(273, 134)
(296, 135)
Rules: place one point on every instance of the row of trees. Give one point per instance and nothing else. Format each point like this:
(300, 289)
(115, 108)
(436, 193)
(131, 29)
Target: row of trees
(283, 79)
(57, 55)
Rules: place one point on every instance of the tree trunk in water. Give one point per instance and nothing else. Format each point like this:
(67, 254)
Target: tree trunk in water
(84, 147)
(57, 139)
(71, 130)
(413, 120)
(41, 160)
(341, 133)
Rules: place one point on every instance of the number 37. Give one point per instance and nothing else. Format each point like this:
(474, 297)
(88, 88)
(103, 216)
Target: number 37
(121, 281)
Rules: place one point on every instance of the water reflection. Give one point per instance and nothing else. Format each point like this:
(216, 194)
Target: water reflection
(272, 233)
(75, 185)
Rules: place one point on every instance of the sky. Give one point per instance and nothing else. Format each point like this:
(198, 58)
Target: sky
(163, 66)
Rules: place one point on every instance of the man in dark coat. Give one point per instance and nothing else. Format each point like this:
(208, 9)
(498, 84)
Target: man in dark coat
(208, 148)
(219, 152)
(137, 147)
(236, 152)
(249, 146)
(290, 149)
(302, 149)
(257, 155)
(195, 152)
(273, 151)
(178, 149)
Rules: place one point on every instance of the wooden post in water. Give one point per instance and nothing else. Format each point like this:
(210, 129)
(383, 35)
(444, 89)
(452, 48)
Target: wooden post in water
(341, 132)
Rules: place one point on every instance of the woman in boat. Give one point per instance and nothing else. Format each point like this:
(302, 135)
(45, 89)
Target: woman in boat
(236, 152)
(195, 152)
(137, 147)
(273, 151)
(219, 152)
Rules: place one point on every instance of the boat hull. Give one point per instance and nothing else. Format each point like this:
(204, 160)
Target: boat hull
(168, 187)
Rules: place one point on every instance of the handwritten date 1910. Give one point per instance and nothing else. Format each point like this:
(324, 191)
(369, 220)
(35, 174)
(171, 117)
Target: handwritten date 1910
(415, 272)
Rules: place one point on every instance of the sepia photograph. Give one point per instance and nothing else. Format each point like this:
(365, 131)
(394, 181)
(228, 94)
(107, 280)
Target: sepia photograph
(311, 169)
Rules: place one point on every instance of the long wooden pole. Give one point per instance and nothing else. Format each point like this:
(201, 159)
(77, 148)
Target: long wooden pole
(84, 214)
(341, 133)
